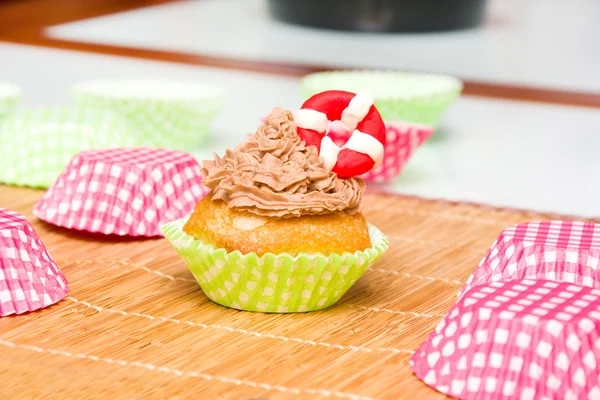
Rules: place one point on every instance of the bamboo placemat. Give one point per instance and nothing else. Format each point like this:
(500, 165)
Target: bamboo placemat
(135, 325)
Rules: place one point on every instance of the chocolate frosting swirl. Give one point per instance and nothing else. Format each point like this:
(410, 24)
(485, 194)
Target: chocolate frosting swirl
(274, 174)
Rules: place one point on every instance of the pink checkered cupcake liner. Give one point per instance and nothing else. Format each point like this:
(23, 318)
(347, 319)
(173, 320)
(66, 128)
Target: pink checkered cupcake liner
(29, 278)
(518, 339)
(402, 139)
(123, 191)
(566, 251)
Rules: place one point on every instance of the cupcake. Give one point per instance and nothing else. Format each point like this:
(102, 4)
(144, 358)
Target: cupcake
(279, 230)
(283, 201)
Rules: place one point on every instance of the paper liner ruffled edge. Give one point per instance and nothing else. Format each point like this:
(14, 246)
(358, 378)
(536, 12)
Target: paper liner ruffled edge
(453, 84)
(86, 88)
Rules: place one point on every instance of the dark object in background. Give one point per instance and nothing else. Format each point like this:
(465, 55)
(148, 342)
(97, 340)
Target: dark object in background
(381, 15)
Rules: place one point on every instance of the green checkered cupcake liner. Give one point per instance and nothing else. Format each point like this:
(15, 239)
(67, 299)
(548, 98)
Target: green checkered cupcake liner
(399, 96)
(10, 95)
(170, 115)
(272, 283)
(38, 143)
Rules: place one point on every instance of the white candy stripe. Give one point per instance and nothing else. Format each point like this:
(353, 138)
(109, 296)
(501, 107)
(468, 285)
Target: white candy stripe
(311, 119)
(357, 110)
(329, 152)
(365, 144)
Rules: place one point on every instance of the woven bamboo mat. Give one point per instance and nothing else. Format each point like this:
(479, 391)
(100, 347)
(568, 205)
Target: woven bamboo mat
(135, 325)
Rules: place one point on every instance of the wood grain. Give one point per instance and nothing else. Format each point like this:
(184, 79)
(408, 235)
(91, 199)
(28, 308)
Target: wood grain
(24, 23)
(136, 325)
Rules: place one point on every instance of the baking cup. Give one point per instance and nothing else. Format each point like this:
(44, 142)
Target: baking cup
(399, 96)
(9, 98)
(172, 115)
(402, 139)
(29, 278)
(272, 283)
(519, 339)
(123, 191)
(37, 144)
(567, 251)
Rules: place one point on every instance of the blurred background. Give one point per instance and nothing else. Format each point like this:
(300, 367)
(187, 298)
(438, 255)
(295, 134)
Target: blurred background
(513, 102)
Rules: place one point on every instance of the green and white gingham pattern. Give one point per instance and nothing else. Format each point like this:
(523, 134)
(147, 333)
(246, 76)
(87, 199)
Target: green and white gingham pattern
(170, 115)
(399, 96)
(37, 144)
(9, 98)
(273, 283)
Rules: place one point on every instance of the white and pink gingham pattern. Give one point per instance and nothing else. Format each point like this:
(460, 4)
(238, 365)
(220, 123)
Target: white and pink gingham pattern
(567, 251)
(519, 339)
(29, 278)
(123, 191)
(401, 141)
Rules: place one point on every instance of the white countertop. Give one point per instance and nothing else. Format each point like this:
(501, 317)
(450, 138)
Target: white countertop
(544, 43)
(502, 153)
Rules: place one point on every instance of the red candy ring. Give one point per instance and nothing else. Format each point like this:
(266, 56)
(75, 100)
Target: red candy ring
(363, 151)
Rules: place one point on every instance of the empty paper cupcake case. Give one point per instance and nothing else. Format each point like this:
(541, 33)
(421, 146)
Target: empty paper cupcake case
(399, 96)
(29, 277)
(167, 114)
(39, 143)
(123, 191)
(518, 339)
(567, 251)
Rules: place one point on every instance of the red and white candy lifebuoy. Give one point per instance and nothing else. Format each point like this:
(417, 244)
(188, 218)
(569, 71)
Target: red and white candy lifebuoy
(363, 151)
